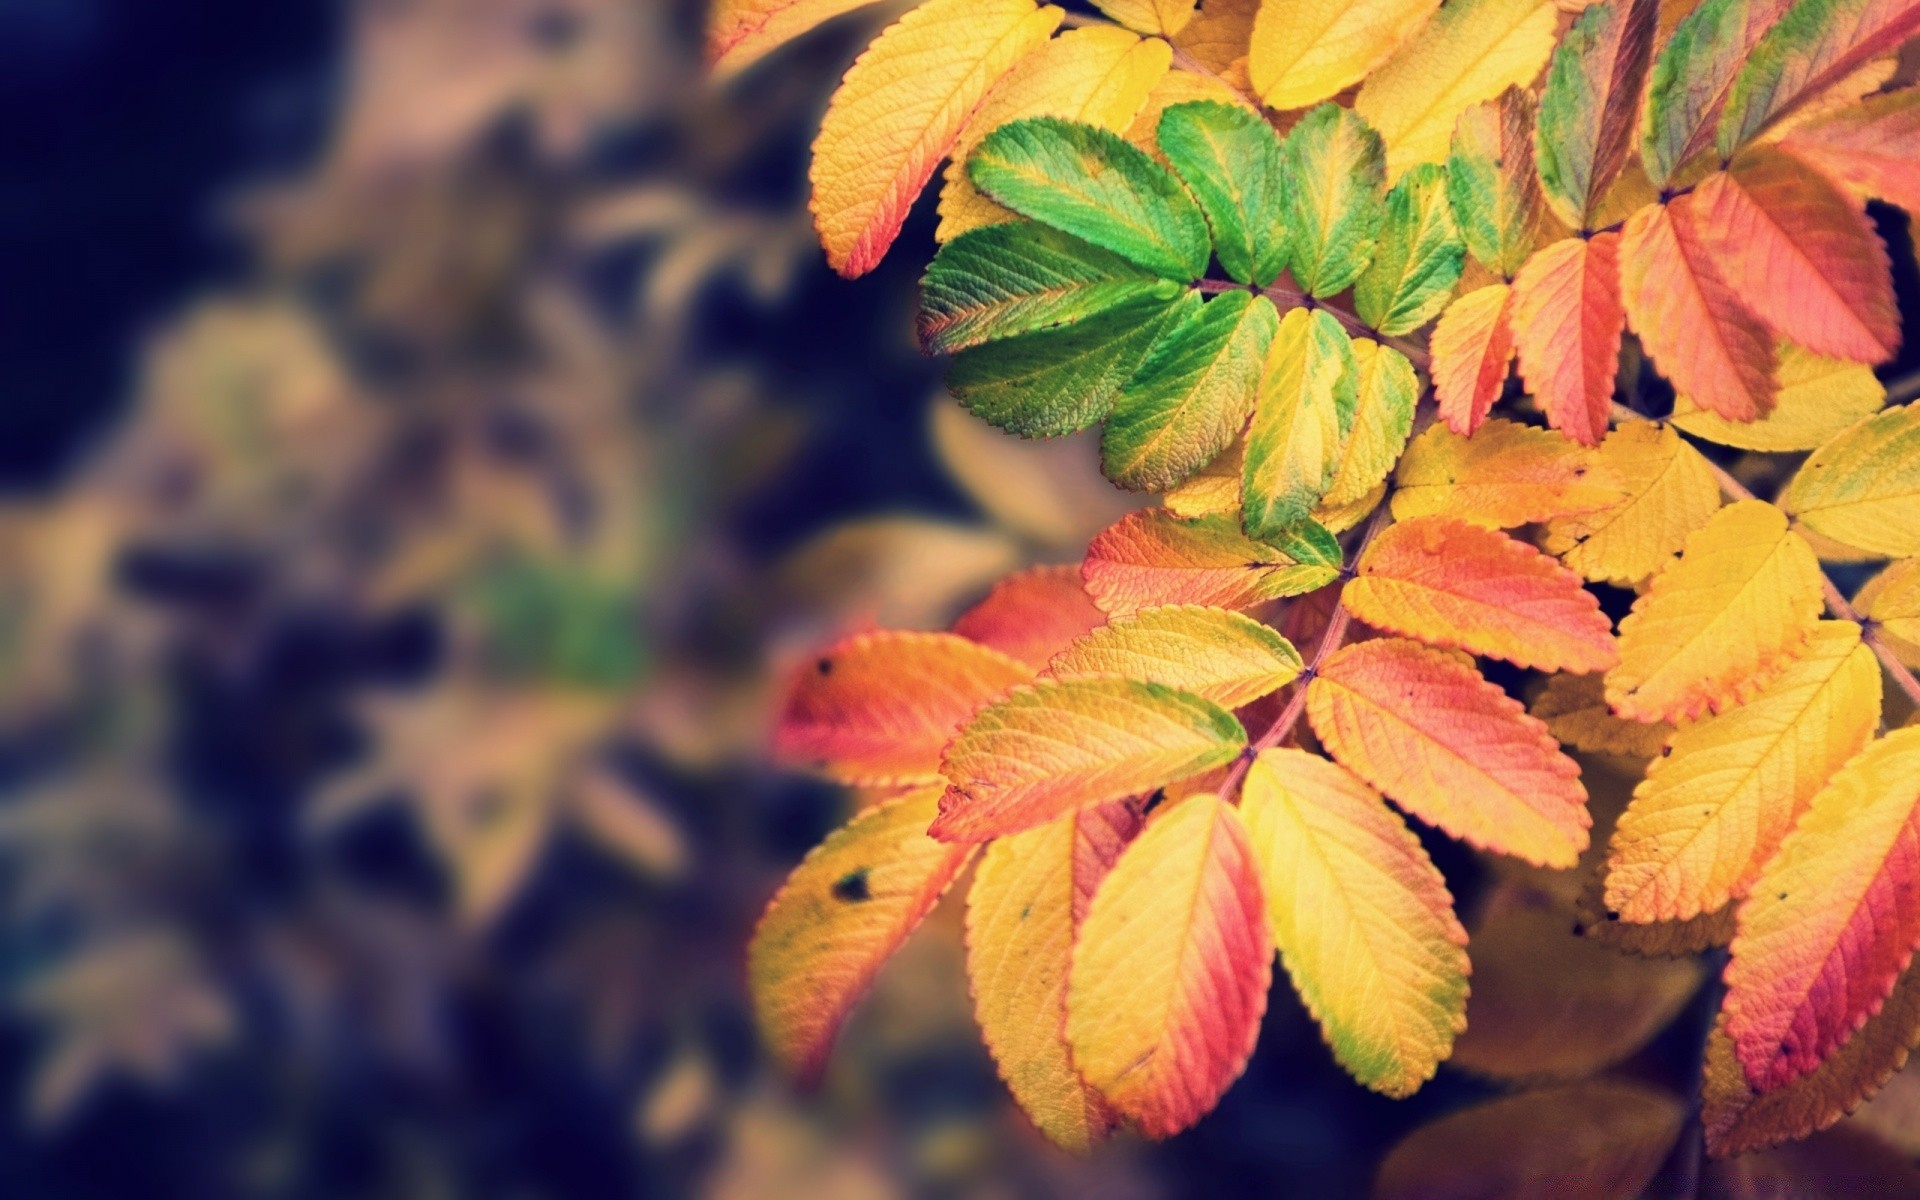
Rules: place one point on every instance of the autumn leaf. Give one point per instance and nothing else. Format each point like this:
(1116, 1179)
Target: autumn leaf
(1589, 104)
(1891, 600)
(879, 143)
(1306, 51)
(1472, 346)
(1050, 748)
(1032, 614)
(1833, 919)
(1818, 398)
(742, 32)
(1812, 47)
(839, 917)
(1152, 558)
(1213, 653)
(1506, 475)
(1872, 148)
(1711, 812)
(1670, 492)
(1170, 975)
(1720, 623)
(1150, 16)
(1692, 76)
(1492, 183)
(1418, 259)
(1300, 423)
(1231, 160)
(1862, 488)
(1450, 748)
(1363, 921)
(1024, 912)
(1334, 201)
(1385, 392)
(851, 714)
(1567, 321)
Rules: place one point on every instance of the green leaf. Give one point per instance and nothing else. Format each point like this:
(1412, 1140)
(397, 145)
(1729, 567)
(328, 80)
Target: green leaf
(1691, 78)
(1385, 391)
(1230, 159)
(1491, 181)
(1098, 186)
(1814, 46)
(1301, 423)
(1335, 198)
(1191, 396)
(1588, 105)
(1006, 280)
(1419, 259)
(1054, 381)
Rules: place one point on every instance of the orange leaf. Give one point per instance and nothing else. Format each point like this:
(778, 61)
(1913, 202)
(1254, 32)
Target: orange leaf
(1567, 322)
(1152, 557)
(1872, 148)
(1801, 254)
(1700, 334)
(1450, 583)
(877, 708)
(1450, 748)
(1033, 614)
(1833, 919)
(1472, 345)
(841, 914)
(1023, 914)
(1170, 976)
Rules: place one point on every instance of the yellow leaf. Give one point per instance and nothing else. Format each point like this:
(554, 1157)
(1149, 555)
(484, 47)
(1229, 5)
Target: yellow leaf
(1099, 75)
(1385, 391)
(1575, 710)
(1023, 914)
(840, 915)
(1150, 16)
(1170, 976)
(1060, 745)
(1471, 51)
(1223, 656)
(1891, 599)
(1338, 517)
(1670, 492)
(1862, 488)
(1305, 51)
(1711, 812)
(1363, 920)
(899, 111)
(1721, 622)
(1506, 474)
(1818, 398)
(1177, 86)
(1214, 488)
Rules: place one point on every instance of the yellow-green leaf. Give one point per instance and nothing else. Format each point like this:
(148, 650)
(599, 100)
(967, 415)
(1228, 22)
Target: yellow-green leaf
(1214, 653)
(1385, 392)
(1154, 557)
(1862, 488)
(1818, 398)
(1300, 424)
(1419, 258)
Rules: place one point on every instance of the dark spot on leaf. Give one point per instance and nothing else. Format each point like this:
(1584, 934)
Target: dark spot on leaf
(1612, 915)
(1153, 801)
(1783, 895)
(824, 666)
(852, 887)
(1026, 910)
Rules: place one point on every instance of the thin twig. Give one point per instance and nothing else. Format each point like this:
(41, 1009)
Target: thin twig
(1837, 602)
(1330, 641)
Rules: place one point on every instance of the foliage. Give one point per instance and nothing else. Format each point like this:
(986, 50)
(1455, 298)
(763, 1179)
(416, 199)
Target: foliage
(1406, 200)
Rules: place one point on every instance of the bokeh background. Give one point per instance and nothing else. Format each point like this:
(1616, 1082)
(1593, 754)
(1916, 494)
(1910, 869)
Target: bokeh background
(427, 428)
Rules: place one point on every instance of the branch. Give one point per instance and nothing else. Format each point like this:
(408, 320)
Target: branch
(1330, 640)
(1837, 602)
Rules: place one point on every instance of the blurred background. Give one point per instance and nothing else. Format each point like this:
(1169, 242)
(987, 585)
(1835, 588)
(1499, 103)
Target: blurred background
(427, 427)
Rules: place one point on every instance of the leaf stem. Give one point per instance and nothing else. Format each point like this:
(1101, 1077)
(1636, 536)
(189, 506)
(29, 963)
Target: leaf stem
(1285, 298)
(1837, 602)
(1330, 641)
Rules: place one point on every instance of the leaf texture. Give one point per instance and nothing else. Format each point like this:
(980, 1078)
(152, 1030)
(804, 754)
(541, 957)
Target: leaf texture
(1009, 280)
(1574, 709)
(1364, 922)
(840, 915)
(1385, 392)
(1151, 558)
(1450, 583)
(1150, 16)
(1098, 75)
(1300, 424)
(1056, 746)
(1231, 160)
(1670, 492)
(1506, 475)
(1818, 398)
(1590, 103)
(1191, 395)
(1418, 259)
(1471, 51)
(1812, 47)
(1334, 202)
(1306, 51)
(1692, 322)
(1492, 183)
(1450, 748)
(1567, 322)
(1170, 975)
(1098, 187)
(1024, 911)
(1722, 622)
(1688, 88)
(899, 111)
(1032, 615)
(1711, 812)
(1872, 148)
(1472, 346)
(852, 714)
(1801, 254)
(1219, 655)
(1862, 488)
(1833, 919)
